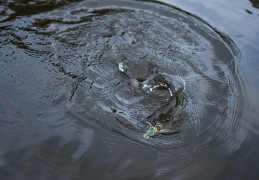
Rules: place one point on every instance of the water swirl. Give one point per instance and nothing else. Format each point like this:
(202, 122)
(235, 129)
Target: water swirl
(132, 65)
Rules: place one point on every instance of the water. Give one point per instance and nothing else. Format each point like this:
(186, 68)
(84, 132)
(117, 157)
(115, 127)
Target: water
(81, 80)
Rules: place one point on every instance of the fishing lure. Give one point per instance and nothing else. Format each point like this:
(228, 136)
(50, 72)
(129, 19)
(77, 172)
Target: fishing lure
(151, 132)
(157, 129)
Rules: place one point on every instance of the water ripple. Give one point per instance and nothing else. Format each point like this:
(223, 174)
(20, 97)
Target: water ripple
(115, 53)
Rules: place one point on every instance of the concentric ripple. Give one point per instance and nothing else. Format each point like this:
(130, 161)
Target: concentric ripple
(127, 63)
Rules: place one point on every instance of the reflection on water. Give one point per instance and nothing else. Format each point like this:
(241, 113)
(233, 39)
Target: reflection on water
(81, 80)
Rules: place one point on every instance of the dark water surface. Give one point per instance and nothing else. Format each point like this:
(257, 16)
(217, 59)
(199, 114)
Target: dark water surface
(81, 80)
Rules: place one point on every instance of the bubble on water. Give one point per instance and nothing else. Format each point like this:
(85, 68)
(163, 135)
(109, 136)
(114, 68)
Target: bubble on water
(121, 67)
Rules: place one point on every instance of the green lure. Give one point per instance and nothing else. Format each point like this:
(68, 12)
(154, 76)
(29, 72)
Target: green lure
(151, 132)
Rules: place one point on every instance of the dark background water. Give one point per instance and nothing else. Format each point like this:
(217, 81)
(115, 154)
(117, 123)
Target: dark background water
(68, 112)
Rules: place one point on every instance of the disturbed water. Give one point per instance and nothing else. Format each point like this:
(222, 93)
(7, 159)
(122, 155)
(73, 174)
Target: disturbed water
(83, 81)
